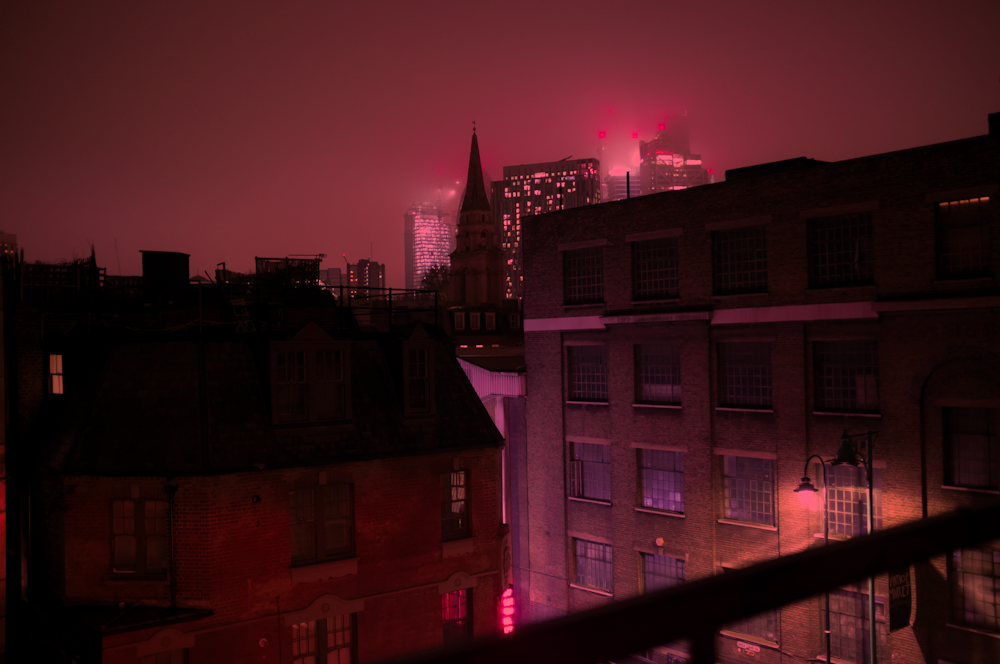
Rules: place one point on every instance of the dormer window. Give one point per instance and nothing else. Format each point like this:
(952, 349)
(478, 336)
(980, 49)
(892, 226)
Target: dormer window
(310, 381)
(474, 320)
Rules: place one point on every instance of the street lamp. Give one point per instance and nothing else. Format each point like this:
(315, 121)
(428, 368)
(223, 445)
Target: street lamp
(807, 495)
(850, 454)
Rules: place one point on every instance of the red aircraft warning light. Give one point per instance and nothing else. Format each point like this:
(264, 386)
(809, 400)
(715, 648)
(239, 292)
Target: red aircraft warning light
(662, 126)
(635, 134)
(600, 134)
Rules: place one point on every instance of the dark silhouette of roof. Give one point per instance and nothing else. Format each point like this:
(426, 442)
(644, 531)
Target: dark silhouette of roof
(475, 199)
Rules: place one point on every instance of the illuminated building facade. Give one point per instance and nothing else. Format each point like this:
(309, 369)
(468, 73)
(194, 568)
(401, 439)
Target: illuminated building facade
(531, 189)
(666, 162)
(365, 273)
(428, 240)
(618, 187)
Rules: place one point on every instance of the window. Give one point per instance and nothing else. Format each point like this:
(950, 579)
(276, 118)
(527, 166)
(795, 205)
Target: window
(846, 376)
(972, 447)
(310, 384)
(322, 520)
(593, 564)
(454, 505)
(659, 572)
(588, 373)
(491, 320)
(583, 279)
(55, 374)
(963, 239)
(974, 576)
(292, 385)
(590, 471)
(848, 500)
(763, 626)
(474, 320)
(515, 321)
(662, 479)
(417, 399)
(329, 383)
(329, 640)
(745, 374)
(849, 629)
(739, 261)
(140, 536)
(459, 320)
(658, 374)
(655, 273)
(179, 656)
(456, 615)
(840, 251)
(749, 489)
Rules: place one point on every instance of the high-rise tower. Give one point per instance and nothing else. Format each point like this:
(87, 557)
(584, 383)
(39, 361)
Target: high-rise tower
(666, 162)
(428, 240)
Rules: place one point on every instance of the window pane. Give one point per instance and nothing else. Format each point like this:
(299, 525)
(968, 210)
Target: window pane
(658, 373)
(655, 273)
(124, 550)
(739, 260)
(588, 379)
(745, 369)
(583, 279)
(338, 519)
(303, 525)
(749, 489)
(846, 375)
(662, 480)
(590, 471)
(455, 615)
(840, 251)
(593, 564)
(972, 440)
(849, 637)
(661, 572)
(454, 508)
(763, 625)
(847, 497)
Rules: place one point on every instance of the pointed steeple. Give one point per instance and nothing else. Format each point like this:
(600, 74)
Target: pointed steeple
(475, 189)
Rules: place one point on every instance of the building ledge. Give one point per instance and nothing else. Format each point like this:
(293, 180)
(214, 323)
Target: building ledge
(970, 489)
(647, 510)
(589, 500)
(665, 300)
(992, 635)
(749, 638)
(458, 547)
(594, 591)
(745, 410)
(658, 405)
(846, 414)
(323, 571)
(747, 524)
(587, 403)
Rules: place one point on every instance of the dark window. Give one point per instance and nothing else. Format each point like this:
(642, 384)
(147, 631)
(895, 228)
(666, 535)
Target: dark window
(55, 374)
(330, 383)
(454, 505)
(963, 239)
(659, 572)
(763, 626)
(974, 576)
(849, 632)
(590, 471)
(662, 475)
(593, 564)
(311, 385)
(322, 523)
(972, 447)
(848, 500)
(292, 385)
(179, 656)
(491, 321)
(417, 379)
(583, 279)
(456, 615)
(655, 273)
(139, 536)
(846, 376)
(840, 251)
(739, 260)
(745, 374)
(749, 489)
(329, 640)
(459, 320)
(658, 374)
(515, 321)
(474, 320)
(588, 373)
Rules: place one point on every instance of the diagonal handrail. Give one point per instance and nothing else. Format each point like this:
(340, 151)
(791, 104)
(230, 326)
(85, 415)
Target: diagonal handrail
(696, 609)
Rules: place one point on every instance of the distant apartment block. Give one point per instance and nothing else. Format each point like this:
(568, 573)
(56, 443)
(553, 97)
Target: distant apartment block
(428, 240)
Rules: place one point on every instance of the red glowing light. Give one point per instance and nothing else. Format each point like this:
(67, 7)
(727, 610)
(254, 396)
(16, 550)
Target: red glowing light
(600, 134)
(635, 134)
(507, 629)
(507, 610)
(663, 126)
(508, 621)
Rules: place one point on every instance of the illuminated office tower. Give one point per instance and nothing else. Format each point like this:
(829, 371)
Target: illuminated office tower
(666, 162)
(618, 187)
(531, 189)
(428, 240)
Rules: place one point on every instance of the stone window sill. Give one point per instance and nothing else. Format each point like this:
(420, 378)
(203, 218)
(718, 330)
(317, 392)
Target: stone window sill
(729, 295)
(846, 414)
(744, 410)
(747, 524)
(756, 640)
(590, 500)
(594, 591)
(665, 300)
(325, 570)
(970, 489)
(458, 547)
(587, 403)
(647, 510)
(658, 405)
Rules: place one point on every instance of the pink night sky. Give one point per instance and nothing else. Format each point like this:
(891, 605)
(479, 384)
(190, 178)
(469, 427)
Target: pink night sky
(232, 129)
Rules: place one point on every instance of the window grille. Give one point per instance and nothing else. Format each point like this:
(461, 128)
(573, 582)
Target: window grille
(849, 632)
(456, 615)
(593, 565)
(655, 271)
(658, 374)
(659, 572)
(662, 480)
(846, 376)
(763, 626)
(745, 369)
(454, 505)
(749, 489)
(972, 447)
(331, 535)
(340, 639)
(583, 279)
(588, 379)
(974, 576)
(55, 374)
(739, 260)
(840, 251)
(304, 643)
(590, 471)
(963, 238)
(847, 496)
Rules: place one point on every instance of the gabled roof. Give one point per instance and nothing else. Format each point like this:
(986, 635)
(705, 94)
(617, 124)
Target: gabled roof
(476, 199)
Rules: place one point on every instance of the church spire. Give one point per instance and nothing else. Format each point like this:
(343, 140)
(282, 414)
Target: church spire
(475, 189)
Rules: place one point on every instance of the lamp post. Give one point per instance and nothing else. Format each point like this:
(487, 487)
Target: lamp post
(850, 454)
(807, 493)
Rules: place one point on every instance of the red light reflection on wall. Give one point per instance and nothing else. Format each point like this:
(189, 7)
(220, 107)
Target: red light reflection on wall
(507, 610)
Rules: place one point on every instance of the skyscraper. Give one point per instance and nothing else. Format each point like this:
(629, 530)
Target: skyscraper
(428, 240)
(531, 189)
(620, 187)
(666, 162)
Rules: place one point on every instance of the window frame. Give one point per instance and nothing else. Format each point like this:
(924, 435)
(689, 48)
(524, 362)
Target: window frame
(140, 537)
(574, 363)
(828, 381)
(448, 499)
(819, 246)
(56, 375)
(409, 410)
(944, 270)
(727, 280)
(475, 320)
(600, 471)
(647, 265)
(882, 625)
(849, 486)
(676, 460)
(726, 351)
(322, 648)
(515, 321)
(950, 450)
(956, 587)
(459, 321)
(580, 288)
(731, 512)
(464, 621)
(672, 369)
(607, 555)
(646, 558)
(312, 382)
(491, 321)
(318, 530)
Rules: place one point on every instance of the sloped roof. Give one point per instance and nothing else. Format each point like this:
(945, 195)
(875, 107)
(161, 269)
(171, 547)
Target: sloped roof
(476, 199)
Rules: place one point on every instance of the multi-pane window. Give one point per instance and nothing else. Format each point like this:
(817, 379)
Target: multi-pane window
(459, 321)
(515, 321)
(474, 320)
(658, 374)
(974, 576)
(972, 447)
(583, 276)
(659, 572)
(846, 375)
(963, 238)
(849, 631)
(456, 615)
(491, 320)
(763, 626)
(749, 489)
(840, 251)
(329, 383)
(304, 643)
(745, 374)
(55, 374)
(416, 377)
(655, 273)
(140, 536)
(739, 260)
(662, 475)
(593, 564)
(310, 384)
(454, 504)
(291, 381)
(329, 641)
(322, 521)
(847, 498)
(590, 471)
(588, 373)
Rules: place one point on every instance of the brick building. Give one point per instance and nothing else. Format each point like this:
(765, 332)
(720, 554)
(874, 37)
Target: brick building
(214, 479)
(704, 343)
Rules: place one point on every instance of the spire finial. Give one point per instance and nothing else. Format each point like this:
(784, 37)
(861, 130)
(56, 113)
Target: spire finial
(473, 126)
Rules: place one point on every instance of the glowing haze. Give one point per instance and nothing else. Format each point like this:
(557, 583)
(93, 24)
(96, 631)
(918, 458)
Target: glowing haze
(233, 129)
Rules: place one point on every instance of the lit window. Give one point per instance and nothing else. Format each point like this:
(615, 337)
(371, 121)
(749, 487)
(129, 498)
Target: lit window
(139, 537)
(588, 373)
(658, 374)
(456, 615)
(662, 478)
(974, 576)
(749, 489)
(593, 564)
(847, 498)
(55, 374)
(322, 519)
(745, 374)
(590, 471)
(454, 505)
(963, 238)
(846, 376)
(972, 447)
(659, 572)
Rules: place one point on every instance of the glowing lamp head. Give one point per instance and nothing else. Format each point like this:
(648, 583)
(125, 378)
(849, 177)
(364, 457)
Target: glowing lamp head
(807, 493)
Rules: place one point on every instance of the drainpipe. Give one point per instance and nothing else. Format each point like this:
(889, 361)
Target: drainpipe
(171, 490)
